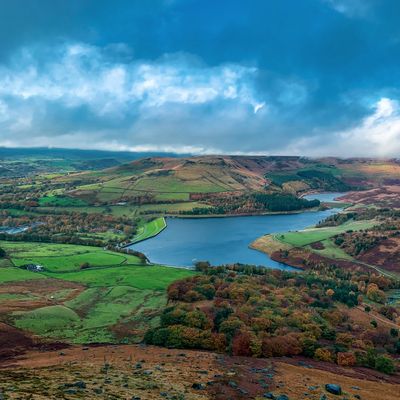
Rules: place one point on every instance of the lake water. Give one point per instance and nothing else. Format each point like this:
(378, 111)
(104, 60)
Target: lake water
(222, 240)
(327, 197)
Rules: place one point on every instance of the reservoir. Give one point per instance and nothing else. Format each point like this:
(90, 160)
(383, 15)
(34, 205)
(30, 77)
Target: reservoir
(225, 240)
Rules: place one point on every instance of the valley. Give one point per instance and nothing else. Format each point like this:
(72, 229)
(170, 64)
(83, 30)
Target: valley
(91, 258)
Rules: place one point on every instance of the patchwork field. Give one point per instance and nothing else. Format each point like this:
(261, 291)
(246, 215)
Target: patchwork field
(113, 298)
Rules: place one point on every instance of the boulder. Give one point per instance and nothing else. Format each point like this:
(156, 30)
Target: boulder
(333, 388)
(269, 395)
(198, 386)
(80, 384)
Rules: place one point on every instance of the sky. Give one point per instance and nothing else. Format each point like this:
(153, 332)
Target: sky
(287, 77)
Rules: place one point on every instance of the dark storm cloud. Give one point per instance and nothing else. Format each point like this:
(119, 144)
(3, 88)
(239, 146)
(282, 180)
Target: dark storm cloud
(206, 76)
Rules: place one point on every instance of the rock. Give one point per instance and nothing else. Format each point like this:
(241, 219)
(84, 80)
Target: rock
(198, 386)
(147, 372)
(233, 384)
(85, 348)
(2, 397)
(269, 395)
(61, 353)
(80, 384)
(98, 390)
(303, 364)
(312, 387)
(357, 396)
(282, 397)
(356, 388)
(138, 365)
(323, 397)
(333, 388)
(135, 398)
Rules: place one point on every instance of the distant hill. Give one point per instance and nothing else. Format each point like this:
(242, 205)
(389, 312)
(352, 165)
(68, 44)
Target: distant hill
(179, 178)
(20, 162)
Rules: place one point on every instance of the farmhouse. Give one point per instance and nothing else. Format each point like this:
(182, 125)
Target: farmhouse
(33, 267)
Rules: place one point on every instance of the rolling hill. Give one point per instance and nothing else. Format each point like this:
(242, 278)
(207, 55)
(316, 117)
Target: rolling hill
(176, 179)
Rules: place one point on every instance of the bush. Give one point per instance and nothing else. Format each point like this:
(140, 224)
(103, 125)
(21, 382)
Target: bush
(322, 354)
(385, 364)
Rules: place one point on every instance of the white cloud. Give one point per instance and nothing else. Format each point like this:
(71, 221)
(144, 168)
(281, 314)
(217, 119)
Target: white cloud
(350, 8)
(258, 107)
(377, 135)
(79, 74)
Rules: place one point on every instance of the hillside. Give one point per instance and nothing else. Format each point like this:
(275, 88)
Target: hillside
(177, 179)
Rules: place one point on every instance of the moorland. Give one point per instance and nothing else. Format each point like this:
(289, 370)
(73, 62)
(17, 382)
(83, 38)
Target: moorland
(84, 316)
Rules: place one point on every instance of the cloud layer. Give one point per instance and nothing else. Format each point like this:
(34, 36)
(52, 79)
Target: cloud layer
(189, 77)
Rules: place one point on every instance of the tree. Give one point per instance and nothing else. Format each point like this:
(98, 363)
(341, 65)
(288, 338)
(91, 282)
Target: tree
(375, 294)
(241, 344)
(2, 253)
(394, 332)
(346, 359)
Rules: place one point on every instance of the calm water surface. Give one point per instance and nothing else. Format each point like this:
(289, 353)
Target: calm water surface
(328, 197)
(222, 240)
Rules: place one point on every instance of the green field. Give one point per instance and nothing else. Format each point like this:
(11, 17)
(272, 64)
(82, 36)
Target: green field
(331, 250)
(121, 295)
(11, 274)
(172, 184)
(150, 229)
(130, 296)
(144, 277)
(312, 235)
(63, 257)
(61, 201)
(88, 317)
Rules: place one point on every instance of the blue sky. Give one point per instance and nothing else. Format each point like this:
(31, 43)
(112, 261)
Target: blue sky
(309, 77)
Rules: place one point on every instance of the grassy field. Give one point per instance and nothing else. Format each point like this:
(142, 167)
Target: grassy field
(140, 277)
(61, 201)
(122, 297)
(150, 229)
(330, 250)
(312, 235)
(128, 210)
(11, 274)
(64, 258)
